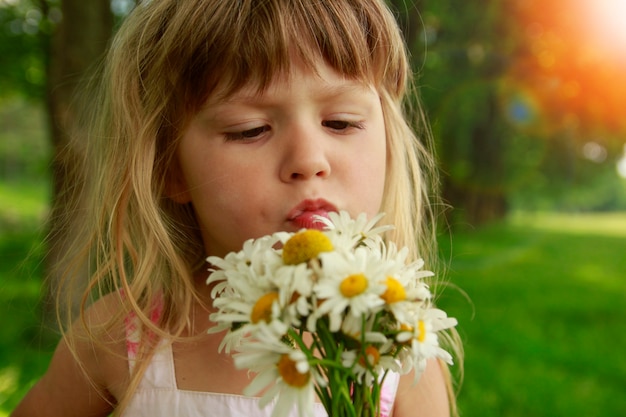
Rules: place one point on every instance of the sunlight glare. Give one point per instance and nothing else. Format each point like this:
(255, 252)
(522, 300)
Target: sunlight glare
(609, 19)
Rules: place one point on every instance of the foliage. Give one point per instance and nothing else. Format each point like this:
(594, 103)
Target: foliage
(501, 122)
(500, 130)
(26, 28)
(461, 64)
(559, 175)
(568, 56)
(561, 98)
(24, 146)
(26, 31)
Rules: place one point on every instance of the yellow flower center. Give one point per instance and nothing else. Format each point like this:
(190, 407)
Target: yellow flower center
(353, 285)
(304, 246)
(405, 328)
(262, 309)
(395, 291)
(421, 326)
(289, 373)
(372, 356)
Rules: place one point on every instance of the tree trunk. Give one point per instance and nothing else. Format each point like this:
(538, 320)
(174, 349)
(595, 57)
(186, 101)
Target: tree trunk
(77, 44)
(487, 202)
(480, 197)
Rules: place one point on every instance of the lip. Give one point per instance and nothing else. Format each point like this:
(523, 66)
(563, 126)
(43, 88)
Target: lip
(303, 215)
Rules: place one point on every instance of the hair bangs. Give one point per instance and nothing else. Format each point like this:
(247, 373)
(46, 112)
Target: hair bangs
(258, 40)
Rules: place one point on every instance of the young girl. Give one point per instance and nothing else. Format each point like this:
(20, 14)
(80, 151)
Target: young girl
(220, 121)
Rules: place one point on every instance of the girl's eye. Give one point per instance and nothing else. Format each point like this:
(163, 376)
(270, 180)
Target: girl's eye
(341, 125)
(249, 134)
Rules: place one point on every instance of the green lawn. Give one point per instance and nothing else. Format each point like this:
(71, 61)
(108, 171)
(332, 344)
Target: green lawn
(543, 319)
(25, 347)
(544, 331)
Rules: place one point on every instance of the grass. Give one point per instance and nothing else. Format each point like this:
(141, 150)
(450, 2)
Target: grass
(25, 347)
(543, 330)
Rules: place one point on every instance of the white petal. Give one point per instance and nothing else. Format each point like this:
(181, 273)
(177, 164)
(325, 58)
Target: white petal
(260, 382)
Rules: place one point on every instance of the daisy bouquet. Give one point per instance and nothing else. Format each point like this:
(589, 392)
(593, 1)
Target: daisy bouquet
(327, 313)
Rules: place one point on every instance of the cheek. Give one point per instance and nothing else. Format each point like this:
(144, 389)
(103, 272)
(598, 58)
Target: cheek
(368, 172)
(379, 172)
(232, 197)
(376, 185)
(220, 216)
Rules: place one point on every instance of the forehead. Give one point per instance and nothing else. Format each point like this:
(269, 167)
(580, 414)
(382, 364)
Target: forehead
(328, 83)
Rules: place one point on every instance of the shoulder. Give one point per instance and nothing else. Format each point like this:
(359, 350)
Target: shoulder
(99, 344)
(89, 370)
(428, 397)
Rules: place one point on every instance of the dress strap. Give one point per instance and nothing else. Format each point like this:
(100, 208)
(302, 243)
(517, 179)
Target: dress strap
(159, 373)
(134, 331)
(388, 393)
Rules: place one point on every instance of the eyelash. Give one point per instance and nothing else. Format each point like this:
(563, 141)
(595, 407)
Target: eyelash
(251, 134)
(345, 123)
(248, 134)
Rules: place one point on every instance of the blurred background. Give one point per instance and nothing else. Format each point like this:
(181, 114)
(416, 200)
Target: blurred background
(527, 100)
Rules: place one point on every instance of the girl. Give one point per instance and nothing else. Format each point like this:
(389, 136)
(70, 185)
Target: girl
(220, 121)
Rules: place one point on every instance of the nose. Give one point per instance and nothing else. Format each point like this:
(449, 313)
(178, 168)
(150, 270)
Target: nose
(304, 155)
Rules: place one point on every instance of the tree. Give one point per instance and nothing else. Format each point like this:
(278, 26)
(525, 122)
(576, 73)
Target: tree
(573, 67)
(525, 102)
(462, 54)
(24, 34)
(564, 89)
(77, 44)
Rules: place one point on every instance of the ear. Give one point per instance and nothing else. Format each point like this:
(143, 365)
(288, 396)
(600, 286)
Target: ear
(176, 188)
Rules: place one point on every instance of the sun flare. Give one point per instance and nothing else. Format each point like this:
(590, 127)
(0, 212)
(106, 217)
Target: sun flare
(571, 68)
(608, 18)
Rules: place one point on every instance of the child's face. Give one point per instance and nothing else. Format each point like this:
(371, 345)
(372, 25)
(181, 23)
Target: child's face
(254, 164)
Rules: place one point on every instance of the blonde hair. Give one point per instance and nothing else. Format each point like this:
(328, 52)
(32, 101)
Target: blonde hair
(166, 60)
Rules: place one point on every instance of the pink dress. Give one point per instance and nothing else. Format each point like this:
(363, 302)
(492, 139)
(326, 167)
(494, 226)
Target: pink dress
(158, 395)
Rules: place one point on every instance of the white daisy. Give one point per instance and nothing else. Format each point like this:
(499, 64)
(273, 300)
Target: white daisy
(411, 275)
(256, 253)
(244, 289)
(373, 361)
(346, 277)
(349, 281)
(245, 274)
(246, 300)
(305, 246)
(349, 232)
(404, 284)
(252, 306)
(423, 339)
(295, 286)
(267, 313)
(404, 292)
(283, 372)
